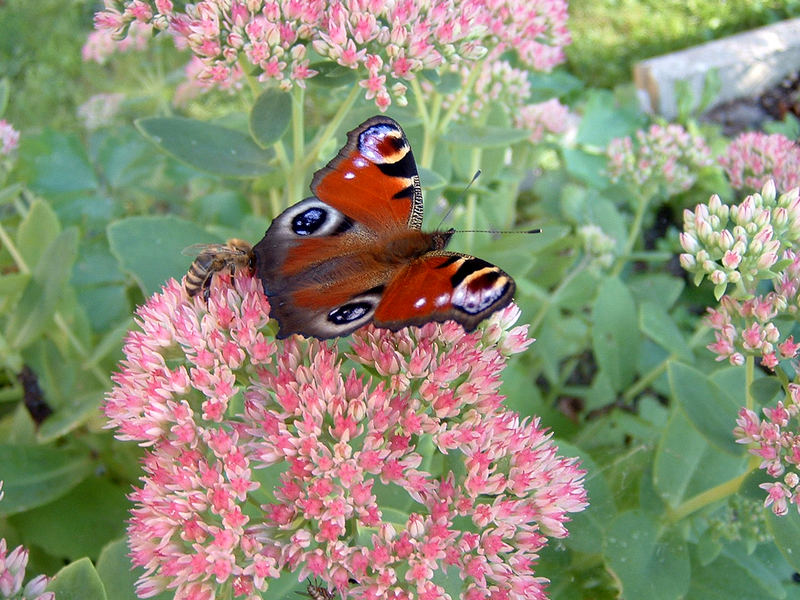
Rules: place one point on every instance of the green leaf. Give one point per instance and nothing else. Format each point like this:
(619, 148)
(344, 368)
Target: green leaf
(4, 93)
(11, 287)
(603, 120)
(648, 561)
(659, 288)
(78, 581)
(615, 336)
(587, 167)
(119, 575)
(476, 136)
(331, 74)
(686, 464)
(726, 578)
(656, 324)
(35, 475)
(207, 147)
(38, 229)
(56, 163)
(764, 390)
(431, 180)
(150, 247)
(97, 511)
(270, 117)
(712, 411)
(786, 533)
(68, 417)
(588, 527)
(41, 296)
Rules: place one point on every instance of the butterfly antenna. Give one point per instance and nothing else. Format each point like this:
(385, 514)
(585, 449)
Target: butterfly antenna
(498, 231)
(463, 193)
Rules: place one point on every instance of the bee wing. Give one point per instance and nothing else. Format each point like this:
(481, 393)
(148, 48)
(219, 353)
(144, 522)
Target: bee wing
(198, 249)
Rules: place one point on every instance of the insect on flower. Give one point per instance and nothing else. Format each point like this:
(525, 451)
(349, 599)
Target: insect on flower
(316, 591)
(213, 258)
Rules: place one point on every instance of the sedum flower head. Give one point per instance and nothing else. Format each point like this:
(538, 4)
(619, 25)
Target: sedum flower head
(386, 42)
(740, 244)
(776, 442)
(9, 138)
(373, 466)
(666, 157)
(754, 158)
(12, 574)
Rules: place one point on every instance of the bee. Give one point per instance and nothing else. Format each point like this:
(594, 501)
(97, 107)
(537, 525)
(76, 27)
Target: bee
(213, 258)
(316, 591)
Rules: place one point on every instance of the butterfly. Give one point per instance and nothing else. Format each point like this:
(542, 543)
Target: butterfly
(354, 252)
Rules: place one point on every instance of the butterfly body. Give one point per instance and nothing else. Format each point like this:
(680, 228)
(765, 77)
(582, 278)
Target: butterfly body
(355, 253)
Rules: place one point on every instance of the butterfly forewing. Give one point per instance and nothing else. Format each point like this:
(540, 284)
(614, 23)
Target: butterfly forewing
(373, 179)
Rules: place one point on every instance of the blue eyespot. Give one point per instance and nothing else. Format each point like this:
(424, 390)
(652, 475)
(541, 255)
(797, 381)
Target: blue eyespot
(309, 221)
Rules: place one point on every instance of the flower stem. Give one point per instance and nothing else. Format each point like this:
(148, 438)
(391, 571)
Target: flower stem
(58, 318)
(749, 376)
(330, 129)
(710, 496)
(553, 298)
(636, 228)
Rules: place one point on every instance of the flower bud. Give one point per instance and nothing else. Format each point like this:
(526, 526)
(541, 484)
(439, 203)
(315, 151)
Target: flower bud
(731, 260)
(689, 243)
(780, 217)
(791, 479)
(714, 204)
(688, 262)
(768, 191)
(726, 240)
(767, 260)
(718, 277)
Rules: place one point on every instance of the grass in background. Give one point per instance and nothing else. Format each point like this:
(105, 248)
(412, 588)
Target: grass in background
(609, 36)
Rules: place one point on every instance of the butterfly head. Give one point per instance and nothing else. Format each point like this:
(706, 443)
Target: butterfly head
(440, 239)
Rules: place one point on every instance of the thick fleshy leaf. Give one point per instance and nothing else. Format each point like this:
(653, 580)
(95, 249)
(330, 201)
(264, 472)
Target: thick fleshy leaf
(710, 409)
(78, 581)
(38, 229)
(35, 475)
(270, 116)
(39, 300)
(656, 324)
(686, 464)
(68, 417)
(615, 336)
(648, 561)
(150, 247)
(55, 163)
(97, 511)
(728, 578)
(118, 574)
(475, 136)
(786, 533)
(331, 75)
(208, 147)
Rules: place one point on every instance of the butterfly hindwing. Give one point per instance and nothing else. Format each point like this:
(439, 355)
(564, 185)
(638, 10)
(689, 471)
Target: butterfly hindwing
(374, 178)
(441, 286)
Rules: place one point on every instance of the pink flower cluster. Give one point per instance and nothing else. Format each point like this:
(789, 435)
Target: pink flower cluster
(664, 158)
(777, 444)
(753, 158)
(740, 244)
(372, 466)
(102, 43)
(12, 574)
(542, 118)
(9, 138)
(387, 42)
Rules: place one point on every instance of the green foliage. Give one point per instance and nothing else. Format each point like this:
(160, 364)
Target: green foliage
(93, 222)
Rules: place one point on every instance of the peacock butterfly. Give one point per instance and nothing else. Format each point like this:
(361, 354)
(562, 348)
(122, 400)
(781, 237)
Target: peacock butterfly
(354, 252)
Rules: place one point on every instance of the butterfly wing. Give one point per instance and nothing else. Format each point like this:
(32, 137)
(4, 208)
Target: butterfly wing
(373, 179)
(315, 258)
(441, 286)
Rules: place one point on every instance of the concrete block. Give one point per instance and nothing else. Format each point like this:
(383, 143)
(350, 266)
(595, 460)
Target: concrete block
(747, 64)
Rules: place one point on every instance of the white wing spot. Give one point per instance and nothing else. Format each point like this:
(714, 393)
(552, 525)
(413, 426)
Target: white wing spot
(420, 303)
(442, 299)
(360, 162)
(349, 175)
